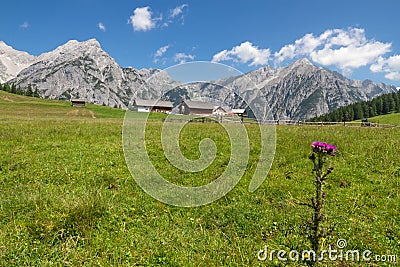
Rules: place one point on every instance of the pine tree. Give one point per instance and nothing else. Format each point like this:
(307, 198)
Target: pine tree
(376, 104)
(7, 88)
(391, 102)
(385, 106)
(372, 110)
(29, 91)
(365, 109)
(36, 93)
(358, 111)
(327, 117)
(13, 89)
(396, 98)
(19, 91)
(348, 114)
(336, 115)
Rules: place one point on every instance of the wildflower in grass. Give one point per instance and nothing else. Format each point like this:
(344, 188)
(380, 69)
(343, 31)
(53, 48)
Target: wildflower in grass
(318, 233)
(324, 148)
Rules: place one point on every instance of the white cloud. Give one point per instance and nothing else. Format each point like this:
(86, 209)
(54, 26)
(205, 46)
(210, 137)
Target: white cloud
(175, 14)
(378, 65)
(177, 11)
(246, 52)
(391, 66)
(161, 51)
(24, 25)
(141, 19)
(395, 76)
(182, 57)
(101, 26)
(350, 57)
(346, 49)
(302, 46)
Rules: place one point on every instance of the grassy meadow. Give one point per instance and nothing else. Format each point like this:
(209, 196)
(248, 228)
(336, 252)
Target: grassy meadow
(392, 119)
(68, 199)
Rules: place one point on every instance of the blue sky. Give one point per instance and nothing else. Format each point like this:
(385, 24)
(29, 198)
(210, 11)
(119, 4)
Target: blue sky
(360, 39)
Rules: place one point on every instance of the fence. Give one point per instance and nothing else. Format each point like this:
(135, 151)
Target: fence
(321, 123)
(236, 119)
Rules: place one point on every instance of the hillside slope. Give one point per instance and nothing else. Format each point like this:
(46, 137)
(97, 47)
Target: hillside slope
(14, 106)
(393, 119)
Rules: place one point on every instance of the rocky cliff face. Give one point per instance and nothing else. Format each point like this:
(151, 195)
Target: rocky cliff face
(84, 70)
(302, 91)
(12, 62)
(299, 91)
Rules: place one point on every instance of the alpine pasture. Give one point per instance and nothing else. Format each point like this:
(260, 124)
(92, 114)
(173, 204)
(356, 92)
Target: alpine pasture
(68, 199)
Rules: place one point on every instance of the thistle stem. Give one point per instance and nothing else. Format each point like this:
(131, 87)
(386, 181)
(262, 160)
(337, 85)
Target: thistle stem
(317, 201)
(320, 150)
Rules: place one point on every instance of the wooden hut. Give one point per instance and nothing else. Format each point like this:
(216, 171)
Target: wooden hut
(142, 105)
(195, 107)
(78, 102)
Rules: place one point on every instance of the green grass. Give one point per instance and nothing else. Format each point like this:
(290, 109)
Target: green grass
(68, 199)
(16, 107)
(393, 119)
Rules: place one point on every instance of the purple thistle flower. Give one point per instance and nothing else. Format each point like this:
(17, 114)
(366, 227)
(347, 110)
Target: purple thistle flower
(331, 149)
(314, 144)
(320, 147)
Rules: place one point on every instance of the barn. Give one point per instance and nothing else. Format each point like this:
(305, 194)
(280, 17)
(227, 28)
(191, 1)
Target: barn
(78, 103)
(142, 105)
(189, 107)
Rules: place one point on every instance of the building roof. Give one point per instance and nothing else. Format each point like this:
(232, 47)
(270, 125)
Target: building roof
(238, 110)
(78, 100)
(219, 108)
(153, 103)
(198, 104)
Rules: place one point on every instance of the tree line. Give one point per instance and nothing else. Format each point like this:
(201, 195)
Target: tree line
(383, 104)
(13, 89)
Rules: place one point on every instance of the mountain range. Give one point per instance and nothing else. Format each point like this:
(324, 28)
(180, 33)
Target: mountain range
(84, 70)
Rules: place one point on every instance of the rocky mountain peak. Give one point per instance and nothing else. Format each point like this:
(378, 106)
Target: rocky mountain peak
(12, 61)
(73, 49)
(302, 64)
(2, 45)
(5, 47)
(93, 42)
(75, 44)
(82, 69)
(302, 61)
(7, 51)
